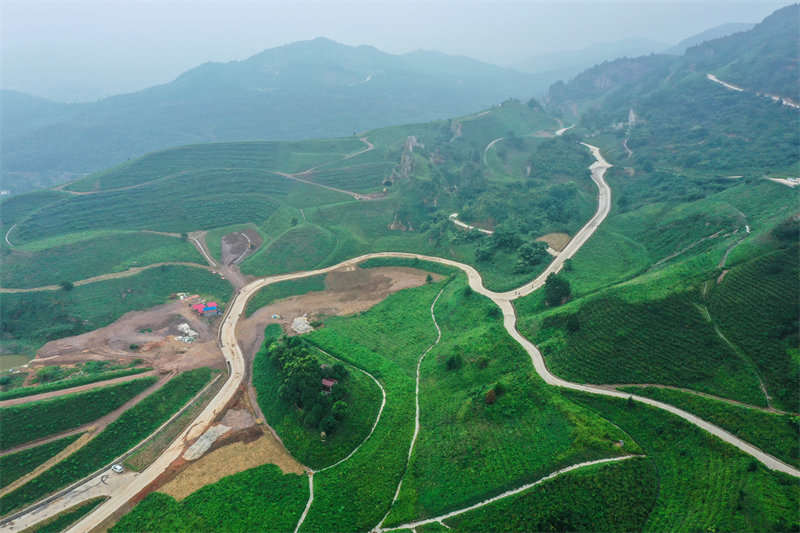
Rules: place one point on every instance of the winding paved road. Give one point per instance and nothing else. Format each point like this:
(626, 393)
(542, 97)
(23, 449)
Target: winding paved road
(235, 358)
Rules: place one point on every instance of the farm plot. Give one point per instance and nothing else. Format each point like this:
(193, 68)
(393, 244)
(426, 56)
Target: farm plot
(83, 378)
(361, 178)
(183, 203)
(756, 307)
(259, 499)
(774, 433)
(703, 483)
(129, 429)
(276, 291)
(35, 420)
(608, 339)
(31, 319)
(386, 341)
(109, 253)
(283, 156)
(609, 497)
(300, 248)
(15, 465)
(478, 392)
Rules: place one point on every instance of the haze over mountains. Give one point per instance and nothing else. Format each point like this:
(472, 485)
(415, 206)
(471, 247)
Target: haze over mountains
(307, 89)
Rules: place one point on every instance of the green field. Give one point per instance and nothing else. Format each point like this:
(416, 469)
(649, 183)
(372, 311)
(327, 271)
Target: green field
(301, 248)
(31, 319)
(703, 483)
(73, 380)
(609, 497)
(276, 291)
(259, 499)
(756, 307)
(775, 434)
(470, 449)
(35, 420)
(112, 253)
(16, 465)
(610, 339)
(65, 519)
(386, 341)
(363, 401)
(133, 426)
(282, 156)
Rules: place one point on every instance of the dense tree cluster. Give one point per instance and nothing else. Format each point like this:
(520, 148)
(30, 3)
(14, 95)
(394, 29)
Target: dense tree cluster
(302, 374)
(556, 290)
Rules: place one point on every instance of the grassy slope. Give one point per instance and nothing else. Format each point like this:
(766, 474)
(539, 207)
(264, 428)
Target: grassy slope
(31, 319)
(467, 450)
(704, 483)
(276, 291)
(16, 465)
(363, 401)
(610, 497)
(386, 341)
(35, 420)
(259, 499)
(756, 308)
(112, 253)
(776, 434)
(118, 437)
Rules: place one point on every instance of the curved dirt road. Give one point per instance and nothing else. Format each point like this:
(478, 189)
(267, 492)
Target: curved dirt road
(235, 358)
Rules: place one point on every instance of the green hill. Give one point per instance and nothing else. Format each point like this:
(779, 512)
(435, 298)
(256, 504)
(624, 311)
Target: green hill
(303, 90)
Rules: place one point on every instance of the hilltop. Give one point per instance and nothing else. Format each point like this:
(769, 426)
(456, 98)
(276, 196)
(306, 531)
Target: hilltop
(303, 90)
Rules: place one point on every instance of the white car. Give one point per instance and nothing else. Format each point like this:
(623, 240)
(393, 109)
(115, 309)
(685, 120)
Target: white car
(118, 469)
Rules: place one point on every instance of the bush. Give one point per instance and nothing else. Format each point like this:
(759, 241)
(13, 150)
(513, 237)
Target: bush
(454, 362)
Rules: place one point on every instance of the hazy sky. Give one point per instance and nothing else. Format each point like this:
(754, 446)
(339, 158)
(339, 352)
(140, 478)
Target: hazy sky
(84, 50)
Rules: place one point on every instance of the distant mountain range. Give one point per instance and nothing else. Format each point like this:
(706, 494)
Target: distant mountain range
(308, 89)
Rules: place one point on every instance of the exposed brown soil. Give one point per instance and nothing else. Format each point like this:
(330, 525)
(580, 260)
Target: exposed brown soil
(556, 241)
(348, 291)
(238, 245)
(237, 452)
(157, 348)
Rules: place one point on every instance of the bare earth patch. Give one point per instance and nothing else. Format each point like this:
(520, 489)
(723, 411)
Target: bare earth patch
(231, 459)
(157, 348)
(348, 291)
(556, 241)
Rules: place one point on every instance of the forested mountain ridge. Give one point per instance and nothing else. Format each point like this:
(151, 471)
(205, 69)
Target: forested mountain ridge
(303, 90)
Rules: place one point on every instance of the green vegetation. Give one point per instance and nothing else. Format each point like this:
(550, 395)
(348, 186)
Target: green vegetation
(429, 266)
(300, 428)
(276, 291)
(14, 209)
(283, 156)
(259, 499)
(301, 248)
(776, 434)
(756, 307)
(133, 426)
(611, 339)
(16, 465)
(703, 483)
(110, 253)
(62, 521)
(479, 392)
(69, 382)
(35, 420)
(607, 497)
(386, 341)
(29, 320)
